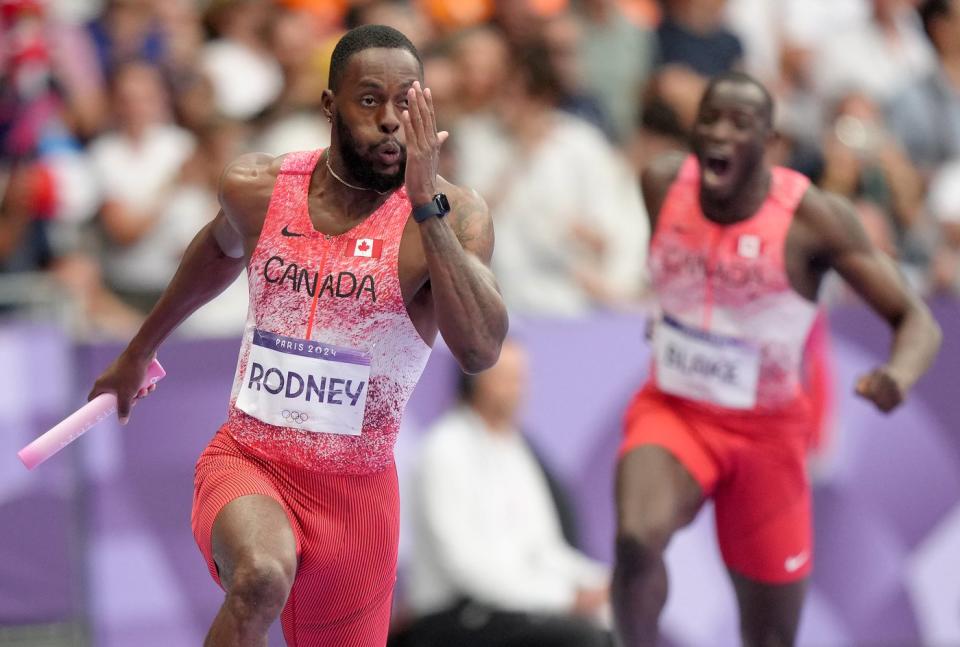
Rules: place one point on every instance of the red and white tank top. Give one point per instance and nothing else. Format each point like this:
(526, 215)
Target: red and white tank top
(329, 355)
(732, 330)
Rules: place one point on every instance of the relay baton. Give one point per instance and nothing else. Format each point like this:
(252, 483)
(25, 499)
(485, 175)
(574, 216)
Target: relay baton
(78, 422)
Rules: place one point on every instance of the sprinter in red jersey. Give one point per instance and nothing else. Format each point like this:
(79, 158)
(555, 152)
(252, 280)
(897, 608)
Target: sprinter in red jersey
(354, 264)
(738, 253)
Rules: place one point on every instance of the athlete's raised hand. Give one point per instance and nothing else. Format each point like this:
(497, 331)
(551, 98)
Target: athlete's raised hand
(423, 145)
(882, 388)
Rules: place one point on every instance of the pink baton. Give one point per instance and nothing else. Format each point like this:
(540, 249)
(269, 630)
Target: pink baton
(78, 422)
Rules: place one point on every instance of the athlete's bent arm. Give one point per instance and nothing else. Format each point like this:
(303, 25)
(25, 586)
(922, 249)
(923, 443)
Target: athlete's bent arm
(212, 261)
(204, 272)
(874, 276)
(470, 312)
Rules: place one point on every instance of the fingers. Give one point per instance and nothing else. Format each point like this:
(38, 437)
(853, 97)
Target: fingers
(124, 412)
(408, 132)
(863, 383)
(418, 119)
(426, 109)
(415, 117)
(123, 409)
(881, 389)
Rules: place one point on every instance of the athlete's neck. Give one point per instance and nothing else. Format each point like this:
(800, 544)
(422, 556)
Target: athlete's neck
(336, 196)
(743, 203)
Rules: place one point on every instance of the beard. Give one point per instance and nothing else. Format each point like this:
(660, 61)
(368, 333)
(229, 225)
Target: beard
(360, 169)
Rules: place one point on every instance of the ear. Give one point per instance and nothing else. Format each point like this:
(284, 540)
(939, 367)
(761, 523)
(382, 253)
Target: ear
(774, 137)
(777, 148)
(327, 104)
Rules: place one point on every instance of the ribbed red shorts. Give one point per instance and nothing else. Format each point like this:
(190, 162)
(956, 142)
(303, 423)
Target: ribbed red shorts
(754, 470)
(346, 528)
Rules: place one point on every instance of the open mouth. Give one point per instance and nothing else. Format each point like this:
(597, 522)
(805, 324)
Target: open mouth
(718, 165)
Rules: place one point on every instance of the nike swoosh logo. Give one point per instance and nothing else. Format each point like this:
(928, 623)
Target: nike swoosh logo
(287, 232)
(795, 563)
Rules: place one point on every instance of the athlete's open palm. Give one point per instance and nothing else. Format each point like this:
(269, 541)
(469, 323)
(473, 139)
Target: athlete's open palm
(423, 145)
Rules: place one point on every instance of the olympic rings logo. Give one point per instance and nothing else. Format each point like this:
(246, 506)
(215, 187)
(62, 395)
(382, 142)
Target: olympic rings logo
(299, 417)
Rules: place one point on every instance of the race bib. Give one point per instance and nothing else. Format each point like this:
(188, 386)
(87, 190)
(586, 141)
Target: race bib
(305, 384)
(705, 366)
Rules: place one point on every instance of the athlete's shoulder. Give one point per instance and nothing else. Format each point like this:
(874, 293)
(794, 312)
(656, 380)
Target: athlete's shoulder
(831, 220)
(663, 169)
(656, 179)
(245, 188)
(824, 208)
(250, 169)
(470, 219)
(462, 198)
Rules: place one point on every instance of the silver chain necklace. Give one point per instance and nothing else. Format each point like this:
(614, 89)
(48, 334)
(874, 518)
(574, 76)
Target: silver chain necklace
(347, 184)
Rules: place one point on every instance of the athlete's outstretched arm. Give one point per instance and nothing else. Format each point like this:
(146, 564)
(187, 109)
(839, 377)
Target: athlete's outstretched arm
(874, 276)
(212, 261)
(470, 312)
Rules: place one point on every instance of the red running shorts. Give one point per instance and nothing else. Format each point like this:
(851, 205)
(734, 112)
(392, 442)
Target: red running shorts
(346, 529)
(752, 466)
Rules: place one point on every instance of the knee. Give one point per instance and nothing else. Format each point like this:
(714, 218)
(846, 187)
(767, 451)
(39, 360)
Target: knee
(640, 545)
(260, 586)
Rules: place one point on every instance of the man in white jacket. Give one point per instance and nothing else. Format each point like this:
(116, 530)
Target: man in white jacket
(489, 564)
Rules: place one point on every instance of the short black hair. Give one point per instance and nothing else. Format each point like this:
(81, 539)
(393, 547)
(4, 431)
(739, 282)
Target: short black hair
(742, 78)
(366, 37)
(932, 10)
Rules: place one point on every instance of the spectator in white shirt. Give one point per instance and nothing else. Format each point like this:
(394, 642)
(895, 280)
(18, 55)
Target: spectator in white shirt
(879, 59)
(137, 164)
(490, 566)
(246, 76)
(926, 116)
(571, 229)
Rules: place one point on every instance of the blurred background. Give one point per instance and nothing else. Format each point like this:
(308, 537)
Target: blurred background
(117, 117)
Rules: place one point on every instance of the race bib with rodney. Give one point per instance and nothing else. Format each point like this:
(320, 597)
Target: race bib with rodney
(705, 366)
(305, 384)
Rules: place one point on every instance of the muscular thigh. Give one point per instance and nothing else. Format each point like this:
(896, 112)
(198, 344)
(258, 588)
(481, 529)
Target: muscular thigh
(656, 494)
(254, 526)
(237, 511)
(666, 468)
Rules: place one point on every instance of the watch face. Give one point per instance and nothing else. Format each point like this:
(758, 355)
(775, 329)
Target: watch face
(442, 202)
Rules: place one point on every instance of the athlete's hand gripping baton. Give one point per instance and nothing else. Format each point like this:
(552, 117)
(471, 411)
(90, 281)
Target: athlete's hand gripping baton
(77, 423)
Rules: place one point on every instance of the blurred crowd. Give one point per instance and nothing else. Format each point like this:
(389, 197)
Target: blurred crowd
(118, 116)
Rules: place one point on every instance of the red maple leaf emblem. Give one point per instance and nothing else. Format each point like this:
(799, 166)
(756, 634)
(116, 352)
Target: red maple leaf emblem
(363, 246)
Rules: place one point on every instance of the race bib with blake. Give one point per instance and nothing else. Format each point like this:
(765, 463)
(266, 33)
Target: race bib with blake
(305, 384)
(704, 366)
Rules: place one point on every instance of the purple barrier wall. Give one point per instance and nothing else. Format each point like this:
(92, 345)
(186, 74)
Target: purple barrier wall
(40, 569)
(887, 499)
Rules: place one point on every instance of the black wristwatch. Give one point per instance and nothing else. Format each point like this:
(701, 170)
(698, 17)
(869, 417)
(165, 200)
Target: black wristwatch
(439, 206)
